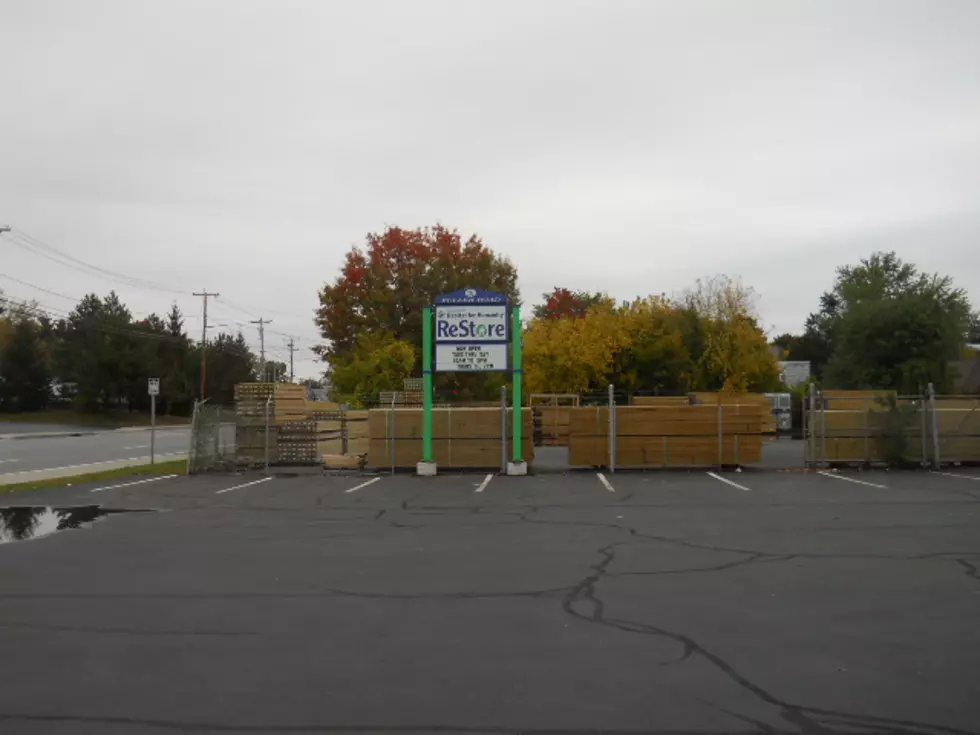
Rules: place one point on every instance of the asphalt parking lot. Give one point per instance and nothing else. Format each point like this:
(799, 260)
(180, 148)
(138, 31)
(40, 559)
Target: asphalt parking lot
(636, 602)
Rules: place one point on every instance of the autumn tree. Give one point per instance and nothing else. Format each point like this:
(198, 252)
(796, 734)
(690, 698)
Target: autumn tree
(384, 285)
(378, 362)
(562, 302)
(730, 350)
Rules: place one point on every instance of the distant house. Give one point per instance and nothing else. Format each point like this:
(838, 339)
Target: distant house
(794, 372)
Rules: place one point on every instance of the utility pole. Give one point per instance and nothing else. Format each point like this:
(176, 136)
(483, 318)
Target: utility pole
(204, 340)
(292, 349)
(262, 322)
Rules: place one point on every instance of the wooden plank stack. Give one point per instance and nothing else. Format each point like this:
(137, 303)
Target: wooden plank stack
(732, 401)
(661, 401)
(551, 414)
(677, 436)
(463, 438)
(300, 431)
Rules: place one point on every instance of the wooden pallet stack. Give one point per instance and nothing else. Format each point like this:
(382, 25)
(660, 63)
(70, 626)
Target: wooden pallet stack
(667, 436)
(463, 438)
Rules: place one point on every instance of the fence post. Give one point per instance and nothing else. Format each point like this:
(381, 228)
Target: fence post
(812, 440)
(394, 434)
(923, 432)
(612, 430)
(191, 441)
(867, 443)
(503, 429)
(267, 404)
(936, 460)
(721, 434)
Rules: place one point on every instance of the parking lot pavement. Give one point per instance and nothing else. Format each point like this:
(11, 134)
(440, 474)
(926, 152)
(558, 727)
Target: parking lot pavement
(651, 602)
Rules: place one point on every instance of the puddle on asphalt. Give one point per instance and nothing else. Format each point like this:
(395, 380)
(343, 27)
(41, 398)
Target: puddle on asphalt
(26, 522)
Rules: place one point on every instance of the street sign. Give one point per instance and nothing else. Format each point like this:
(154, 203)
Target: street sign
(153, 387)
(471, 332)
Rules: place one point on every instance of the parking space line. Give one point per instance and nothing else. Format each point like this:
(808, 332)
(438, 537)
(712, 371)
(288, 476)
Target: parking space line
(851, 479)
(483, 485)
(953, 474)
(604, 481)
(728, 482)
(363, 484)
(135, 482)
(245, 484)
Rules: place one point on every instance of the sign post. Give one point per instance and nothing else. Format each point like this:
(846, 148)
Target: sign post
(470, 333)
(517, 467)
(153, 388)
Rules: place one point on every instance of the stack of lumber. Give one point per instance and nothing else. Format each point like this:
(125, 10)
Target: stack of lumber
(856, 400)
(872, 434)
(661, 401)
(678, 436)
(958, 422)
(250, 433)
(289, 403)
(400, 398)
(735, 401)
(551, 425)
(462, 438)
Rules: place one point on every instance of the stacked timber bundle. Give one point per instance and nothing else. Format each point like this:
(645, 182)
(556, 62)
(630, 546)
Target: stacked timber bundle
(462, 438)
(679, 436)
(250, 432)
(289, 403)
(661, 401)
(856, 400)
(551, 415)
(958, 424)
(734, 401)
(866, 429)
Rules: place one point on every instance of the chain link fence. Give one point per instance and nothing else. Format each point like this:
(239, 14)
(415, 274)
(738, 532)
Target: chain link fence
(213, 440)
(884, 428)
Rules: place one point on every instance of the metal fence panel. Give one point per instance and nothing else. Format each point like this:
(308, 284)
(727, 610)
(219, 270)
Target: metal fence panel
(213, 441)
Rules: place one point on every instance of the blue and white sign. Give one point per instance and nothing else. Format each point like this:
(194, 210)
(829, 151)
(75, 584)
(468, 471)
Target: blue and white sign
(471, 332)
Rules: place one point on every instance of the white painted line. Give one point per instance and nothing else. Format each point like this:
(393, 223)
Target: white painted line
(483, 485)
(363, 484)
(135, 482)
(7, 460)
(246, 484)
(604, 481)
(136, 446)
(851, 479)
(728, 482)
(944, 474)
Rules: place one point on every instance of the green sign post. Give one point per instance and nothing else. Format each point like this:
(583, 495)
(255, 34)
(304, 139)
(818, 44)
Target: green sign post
(515, 333)
(470, 334)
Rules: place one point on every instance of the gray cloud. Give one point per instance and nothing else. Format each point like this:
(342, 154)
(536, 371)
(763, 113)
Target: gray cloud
(625, 146)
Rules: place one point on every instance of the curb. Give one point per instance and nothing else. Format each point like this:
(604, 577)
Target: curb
(64, 434)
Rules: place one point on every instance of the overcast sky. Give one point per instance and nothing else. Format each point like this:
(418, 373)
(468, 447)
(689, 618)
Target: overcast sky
(629, 147)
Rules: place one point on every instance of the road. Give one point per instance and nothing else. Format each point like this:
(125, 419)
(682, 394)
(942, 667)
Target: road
(674, 602)
(44, 453)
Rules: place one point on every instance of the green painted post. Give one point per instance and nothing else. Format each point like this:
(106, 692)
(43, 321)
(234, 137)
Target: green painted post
(515, 338)
(427, 384)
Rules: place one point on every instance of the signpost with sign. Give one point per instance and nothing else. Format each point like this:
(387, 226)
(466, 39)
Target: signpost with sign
(475, 331)
(153, 389)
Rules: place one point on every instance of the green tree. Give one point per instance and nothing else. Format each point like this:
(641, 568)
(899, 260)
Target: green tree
(229, 361)
(24, 375)
(892, 326)
(379, 362)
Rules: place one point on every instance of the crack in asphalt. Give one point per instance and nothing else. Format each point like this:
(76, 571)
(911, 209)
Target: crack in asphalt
(808, 720)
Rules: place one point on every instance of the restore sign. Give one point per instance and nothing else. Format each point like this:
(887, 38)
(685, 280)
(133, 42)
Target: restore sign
(471, 338)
